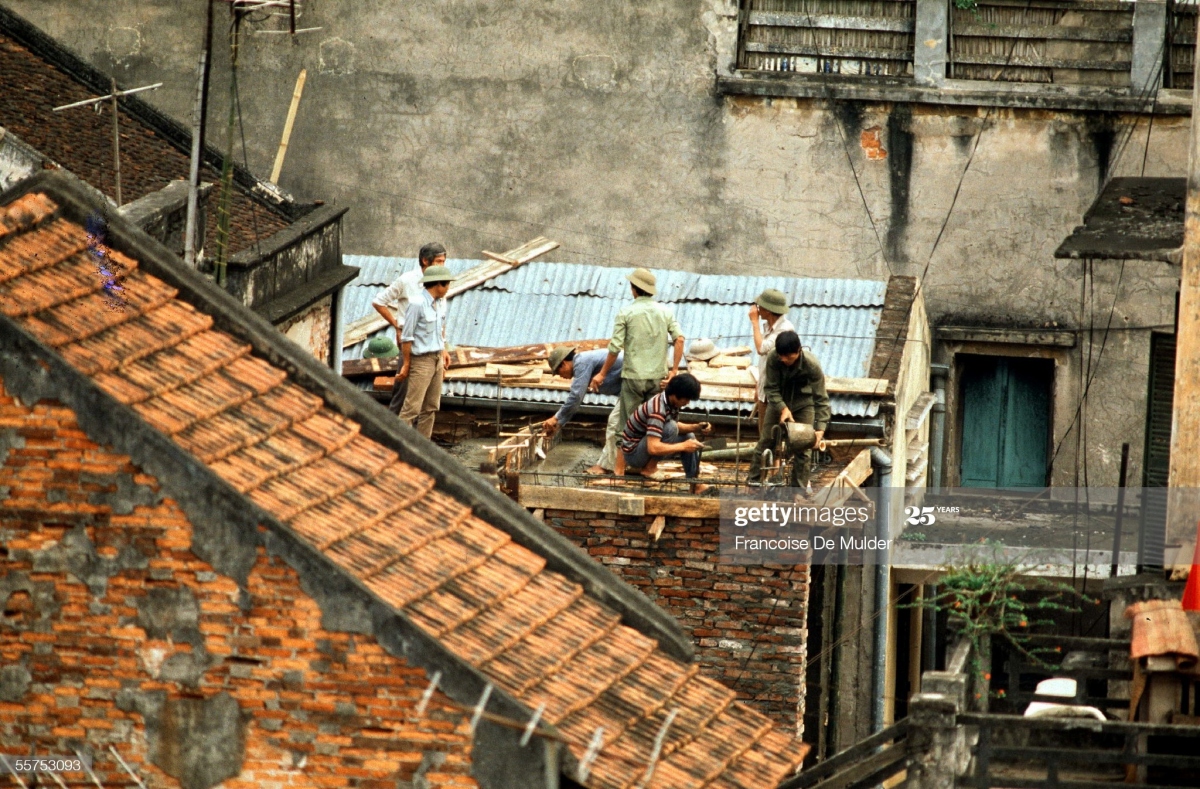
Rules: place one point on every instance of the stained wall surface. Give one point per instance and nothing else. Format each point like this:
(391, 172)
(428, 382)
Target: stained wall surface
(598, 123)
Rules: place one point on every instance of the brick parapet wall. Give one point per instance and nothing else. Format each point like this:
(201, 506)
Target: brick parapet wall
(114, 632)
(748, 622)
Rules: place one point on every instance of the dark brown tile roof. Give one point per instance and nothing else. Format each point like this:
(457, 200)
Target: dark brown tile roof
(491, 602)
(81, 141)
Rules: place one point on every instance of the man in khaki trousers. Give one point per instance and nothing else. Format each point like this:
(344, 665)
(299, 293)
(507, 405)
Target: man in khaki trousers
(423, 350)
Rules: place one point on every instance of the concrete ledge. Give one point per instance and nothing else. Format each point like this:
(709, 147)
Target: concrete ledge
(1058, 339)
(298, 299)
(960, 92)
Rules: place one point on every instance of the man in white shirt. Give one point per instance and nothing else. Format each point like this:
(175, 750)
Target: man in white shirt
(770, 308)
(393, 302)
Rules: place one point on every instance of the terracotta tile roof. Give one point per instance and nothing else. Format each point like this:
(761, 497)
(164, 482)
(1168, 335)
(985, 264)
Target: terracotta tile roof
(81, 141)
(491, 602)
(1161, 628)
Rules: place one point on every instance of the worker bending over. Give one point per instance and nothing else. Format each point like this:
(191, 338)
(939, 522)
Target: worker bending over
(794, 385)
(578, 368)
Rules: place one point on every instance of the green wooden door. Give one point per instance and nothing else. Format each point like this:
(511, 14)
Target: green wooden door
(1006, 421)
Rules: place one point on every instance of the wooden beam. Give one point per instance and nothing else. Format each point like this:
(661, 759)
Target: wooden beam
(1185, 432)
(287, 126)
(466, 356)
(657, 525)
(498, 263)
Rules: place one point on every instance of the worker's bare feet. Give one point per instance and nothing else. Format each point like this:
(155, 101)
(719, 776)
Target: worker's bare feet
(597, 470)
(700, 488)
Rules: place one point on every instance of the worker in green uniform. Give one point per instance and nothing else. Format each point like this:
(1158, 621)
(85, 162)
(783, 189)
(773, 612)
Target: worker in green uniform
(642, 330)
(794, 385)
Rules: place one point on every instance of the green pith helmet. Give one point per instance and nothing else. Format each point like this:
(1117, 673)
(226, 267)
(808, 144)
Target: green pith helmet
(437, 274)
(381, 347)
(559, 355)
(773, 301)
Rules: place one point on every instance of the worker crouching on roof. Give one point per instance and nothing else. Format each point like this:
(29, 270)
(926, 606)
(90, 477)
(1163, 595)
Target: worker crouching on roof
(795, 389)
(642, 330)
(579, 368)
(654, 433)
(423, 350)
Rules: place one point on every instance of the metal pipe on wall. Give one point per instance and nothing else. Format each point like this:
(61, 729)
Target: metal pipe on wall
(937, 428)
(881, 463)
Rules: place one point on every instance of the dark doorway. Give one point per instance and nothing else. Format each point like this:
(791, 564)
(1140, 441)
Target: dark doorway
(1005, 421)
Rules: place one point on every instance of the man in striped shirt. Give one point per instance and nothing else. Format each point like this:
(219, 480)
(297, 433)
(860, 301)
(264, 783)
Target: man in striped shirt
(654, 433)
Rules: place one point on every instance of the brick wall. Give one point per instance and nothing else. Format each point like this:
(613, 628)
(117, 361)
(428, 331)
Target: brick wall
(113, 632)
(748, 623)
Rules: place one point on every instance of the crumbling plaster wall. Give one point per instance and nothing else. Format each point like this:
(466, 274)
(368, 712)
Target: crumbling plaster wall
(597, 123)
(114, 633)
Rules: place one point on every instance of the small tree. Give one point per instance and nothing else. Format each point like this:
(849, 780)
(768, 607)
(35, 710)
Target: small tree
(983, 599)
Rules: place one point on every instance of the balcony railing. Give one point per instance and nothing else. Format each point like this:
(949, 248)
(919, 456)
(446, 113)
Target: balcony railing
(871, 37)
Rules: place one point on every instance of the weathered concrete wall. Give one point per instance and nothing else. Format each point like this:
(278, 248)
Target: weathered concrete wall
(114, 633)
(749, 624)
(597, 123)
(310, 329)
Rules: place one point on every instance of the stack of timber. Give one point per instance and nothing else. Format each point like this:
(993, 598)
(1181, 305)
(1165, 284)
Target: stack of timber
(465, 358)
(498, 263)
(728, 376)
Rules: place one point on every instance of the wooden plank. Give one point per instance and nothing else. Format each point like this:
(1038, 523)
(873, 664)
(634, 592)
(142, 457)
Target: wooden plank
(657, 525)
(919, 410)
(467, 357)
(856, 472)
(359, 330)
(862, 386)
(725, 360)
(1048, 32)
(915, 451)
(832, 52)
(500, 258)
(984, 59)
(894, 24)
(553, 497)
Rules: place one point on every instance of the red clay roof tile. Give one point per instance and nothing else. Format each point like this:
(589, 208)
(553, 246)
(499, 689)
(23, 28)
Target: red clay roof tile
(491, 601)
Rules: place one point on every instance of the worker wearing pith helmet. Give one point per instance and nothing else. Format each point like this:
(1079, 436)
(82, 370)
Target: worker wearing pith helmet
(770, 310)
(423, 350)
(643, 331)
(579, 367)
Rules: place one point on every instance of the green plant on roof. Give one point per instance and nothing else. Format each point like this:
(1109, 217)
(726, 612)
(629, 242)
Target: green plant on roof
(986, 597)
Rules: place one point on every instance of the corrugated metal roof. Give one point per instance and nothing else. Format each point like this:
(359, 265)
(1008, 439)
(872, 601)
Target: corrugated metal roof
(547, 302)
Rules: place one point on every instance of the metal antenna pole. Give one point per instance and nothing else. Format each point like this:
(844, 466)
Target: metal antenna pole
(116, 139)
(113, 96)
(193, 204)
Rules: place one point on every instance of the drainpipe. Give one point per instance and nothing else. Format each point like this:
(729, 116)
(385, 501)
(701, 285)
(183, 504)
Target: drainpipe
(937, 430)
(881, 463)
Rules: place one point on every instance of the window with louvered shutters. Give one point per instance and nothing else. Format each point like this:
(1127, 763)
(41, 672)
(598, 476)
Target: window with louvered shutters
(1156, 457)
